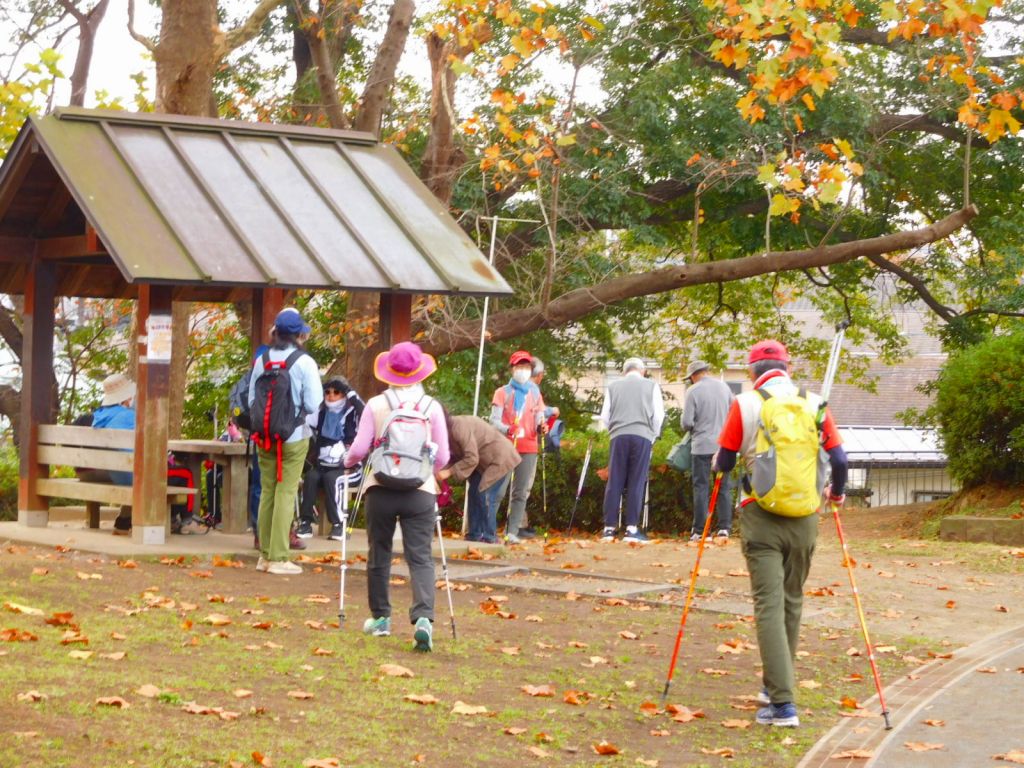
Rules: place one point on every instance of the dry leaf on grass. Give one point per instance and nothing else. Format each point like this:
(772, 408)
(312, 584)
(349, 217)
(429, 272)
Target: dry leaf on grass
(538, 690)
(809, 684)
(115, 656)
(421, 698)
(61, 619)
(683, 714)
(1013, 756)
(14, 635)
(395, 670)
(317, 599)
(323, 762)
(79, 654)
(661, 732)
(149, 691)
(576, 698)
(715, 672)
(987, 670)
(922, 746)
(241, 693)
(848, 702)
(217, 620)
(262, 760)
(300, 695)
(651, 763)
(1002, 609)
(535, 619)
(627, 635)
(71, 636)
(727, 752)
(17, 608)
(113, 701)
(513, 730)
(32, 696)
(538, 752)
(605, 748)
(512, 650)
(741, 724)
(462, 708)
(935, 723)
(323, 652)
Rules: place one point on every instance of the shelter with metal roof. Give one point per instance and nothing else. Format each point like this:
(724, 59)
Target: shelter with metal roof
(163, 208)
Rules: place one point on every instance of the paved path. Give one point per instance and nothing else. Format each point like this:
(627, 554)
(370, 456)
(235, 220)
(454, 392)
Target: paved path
(976, 694)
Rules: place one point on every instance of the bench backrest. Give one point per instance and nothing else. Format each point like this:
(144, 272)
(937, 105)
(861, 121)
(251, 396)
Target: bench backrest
(86, 447)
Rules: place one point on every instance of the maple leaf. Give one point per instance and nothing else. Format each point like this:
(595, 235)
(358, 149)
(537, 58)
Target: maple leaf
(732, 723)
(605, 748)
(262, 760)
(395, 670)
(148, 690)
(421, 698)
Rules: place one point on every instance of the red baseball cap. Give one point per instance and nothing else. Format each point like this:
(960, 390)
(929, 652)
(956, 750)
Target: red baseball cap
(520, 356)
(769, 349)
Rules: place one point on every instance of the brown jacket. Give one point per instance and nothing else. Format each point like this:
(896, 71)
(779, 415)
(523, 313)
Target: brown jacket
(475, 444)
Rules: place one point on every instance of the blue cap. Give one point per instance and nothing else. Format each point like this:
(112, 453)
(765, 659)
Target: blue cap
(290, 321)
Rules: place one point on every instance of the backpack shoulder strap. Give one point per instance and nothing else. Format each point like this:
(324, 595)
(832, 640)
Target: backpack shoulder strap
(293, 357)
(765, 395)
(392, 399)
(320, 420)
(265, 359)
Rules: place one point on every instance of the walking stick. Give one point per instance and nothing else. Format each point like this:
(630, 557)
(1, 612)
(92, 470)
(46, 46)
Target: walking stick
(444, 570)
(693, 584)
(342, 507)
(579, 488)
(359, 493)
(830, 374)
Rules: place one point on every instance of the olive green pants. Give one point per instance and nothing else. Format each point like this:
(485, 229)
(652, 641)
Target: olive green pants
(778, 552)
(277, 499)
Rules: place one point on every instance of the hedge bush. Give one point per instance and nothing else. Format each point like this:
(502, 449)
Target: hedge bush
(979, 408)
(8, 481)
(670, 497)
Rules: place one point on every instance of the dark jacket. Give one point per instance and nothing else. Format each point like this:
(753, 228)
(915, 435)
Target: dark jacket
(476, 445)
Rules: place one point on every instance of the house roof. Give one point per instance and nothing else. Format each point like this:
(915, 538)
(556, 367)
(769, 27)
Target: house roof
(896, 390)
(196, 201)
(899, 445)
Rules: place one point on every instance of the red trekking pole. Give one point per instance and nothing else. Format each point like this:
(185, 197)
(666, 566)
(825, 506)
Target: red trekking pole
(830, 374)
(693, 584)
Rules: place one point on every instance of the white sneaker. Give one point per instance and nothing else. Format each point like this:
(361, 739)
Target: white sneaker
(262, 564)
(284, 568)
(722, 536)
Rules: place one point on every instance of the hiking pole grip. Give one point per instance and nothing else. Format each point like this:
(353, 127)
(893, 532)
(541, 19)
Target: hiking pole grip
(693, 584)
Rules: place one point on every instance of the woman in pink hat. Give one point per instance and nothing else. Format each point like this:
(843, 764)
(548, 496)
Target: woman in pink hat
(403, 368)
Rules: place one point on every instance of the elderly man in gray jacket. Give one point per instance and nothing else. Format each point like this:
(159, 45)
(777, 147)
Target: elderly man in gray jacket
(707, 403)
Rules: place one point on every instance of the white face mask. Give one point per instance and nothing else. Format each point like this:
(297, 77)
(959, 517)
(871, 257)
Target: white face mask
(521, 375)
(336, 405)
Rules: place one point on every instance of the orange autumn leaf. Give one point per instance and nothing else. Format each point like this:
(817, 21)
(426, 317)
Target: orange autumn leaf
(605, 748)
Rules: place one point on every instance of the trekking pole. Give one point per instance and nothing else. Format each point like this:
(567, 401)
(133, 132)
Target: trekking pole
(342, 507)
(512, 477)
(359, 493)
(544, 483)
(830, 374)
(693, 584)
(444, 570)
(579, 488)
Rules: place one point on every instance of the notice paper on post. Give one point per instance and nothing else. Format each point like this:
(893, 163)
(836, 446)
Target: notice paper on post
(158, 331)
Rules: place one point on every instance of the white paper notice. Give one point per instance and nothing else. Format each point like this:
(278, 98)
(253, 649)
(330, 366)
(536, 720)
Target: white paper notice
(158, 329)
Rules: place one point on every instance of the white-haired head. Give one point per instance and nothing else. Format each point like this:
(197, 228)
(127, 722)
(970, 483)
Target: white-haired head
(538, 366)
(633, 364)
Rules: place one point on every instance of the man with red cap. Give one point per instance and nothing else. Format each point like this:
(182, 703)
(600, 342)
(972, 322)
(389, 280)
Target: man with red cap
(517, 409)
(779, 531)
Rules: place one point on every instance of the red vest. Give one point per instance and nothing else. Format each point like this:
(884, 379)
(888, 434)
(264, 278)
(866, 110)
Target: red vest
(534, 405)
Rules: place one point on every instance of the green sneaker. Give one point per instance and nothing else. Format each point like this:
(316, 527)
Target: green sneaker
(377, 627)
(424, 635)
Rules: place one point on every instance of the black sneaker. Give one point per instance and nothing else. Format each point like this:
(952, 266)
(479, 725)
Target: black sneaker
(304, 530)
(337, 533)
(526, 533)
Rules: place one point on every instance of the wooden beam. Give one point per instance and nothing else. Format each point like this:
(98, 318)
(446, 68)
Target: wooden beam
(16, 250)
(54, 209)
(150, 523)
(37, 370)
(15, 169)
(266, 303)
(395, 318)
(74, 246)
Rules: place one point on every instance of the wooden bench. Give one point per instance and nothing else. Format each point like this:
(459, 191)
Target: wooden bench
(110, 449)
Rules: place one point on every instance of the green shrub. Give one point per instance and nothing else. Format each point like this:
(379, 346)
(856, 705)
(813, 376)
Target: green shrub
(979, 409)
(670, 504)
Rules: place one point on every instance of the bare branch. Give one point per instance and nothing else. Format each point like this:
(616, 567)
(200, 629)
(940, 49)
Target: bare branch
(146, 42)
(248, 29)
(580, 302)
(382, 74)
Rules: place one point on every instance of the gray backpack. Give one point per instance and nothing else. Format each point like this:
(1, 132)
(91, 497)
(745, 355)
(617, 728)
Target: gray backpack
(402, 457)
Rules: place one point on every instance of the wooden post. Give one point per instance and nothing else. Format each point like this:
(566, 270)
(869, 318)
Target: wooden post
(266, 303)
(395, 318)
(37, 368)
(150, 519)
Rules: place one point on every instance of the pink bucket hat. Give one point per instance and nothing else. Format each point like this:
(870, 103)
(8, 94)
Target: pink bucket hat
(404, 364)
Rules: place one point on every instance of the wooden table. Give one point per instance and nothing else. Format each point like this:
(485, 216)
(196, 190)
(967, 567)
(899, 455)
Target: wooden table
(234, 503)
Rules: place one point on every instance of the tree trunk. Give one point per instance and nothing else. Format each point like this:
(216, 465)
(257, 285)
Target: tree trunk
(441, 159)
(382, 75)
(88, 23)
(580, 302)
(186, 57)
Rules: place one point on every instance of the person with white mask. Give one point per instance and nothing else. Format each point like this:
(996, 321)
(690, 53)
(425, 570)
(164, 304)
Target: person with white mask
(334, 428)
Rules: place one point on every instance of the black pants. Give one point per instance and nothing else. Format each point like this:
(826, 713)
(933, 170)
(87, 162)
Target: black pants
(318, 477)
(416, 512)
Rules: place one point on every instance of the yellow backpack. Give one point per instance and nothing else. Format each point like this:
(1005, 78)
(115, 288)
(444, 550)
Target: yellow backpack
(789, 467)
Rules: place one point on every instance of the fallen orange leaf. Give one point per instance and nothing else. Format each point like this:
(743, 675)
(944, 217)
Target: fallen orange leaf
(605, 748)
